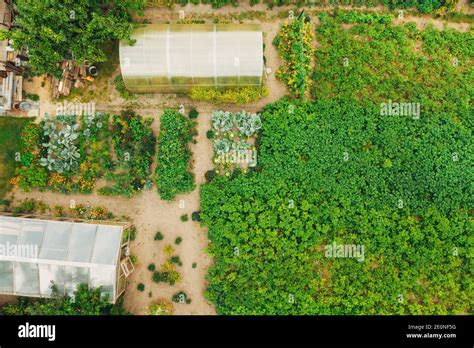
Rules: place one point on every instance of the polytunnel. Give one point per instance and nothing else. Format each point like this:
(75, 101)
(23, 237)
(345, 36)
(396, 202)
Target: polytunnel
(34, 254)
(177, 57)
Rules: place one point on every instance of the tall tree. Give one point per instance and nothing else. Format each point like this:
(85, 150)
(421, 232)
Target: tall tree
(53, 30)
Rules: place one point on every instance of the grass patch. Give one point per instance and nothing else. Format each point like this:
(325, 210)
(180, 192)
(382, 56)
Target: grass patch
(10, 134)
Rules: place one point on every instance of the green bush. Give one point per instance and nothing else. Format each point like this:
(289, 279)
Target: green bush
(132, 232)
(196, 216)
(193, 113)
(151, 267)
(158, 236)
(157, 277)
(141, 287)
(176, 260)
(178, 240)
(184, 218)
(210, 134)
(210, 175)
(173, 175)
(121, 89)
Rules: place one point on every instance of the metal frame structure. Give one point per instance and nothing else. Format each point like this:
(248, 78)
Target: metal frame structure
(174, 57)
(63, 253)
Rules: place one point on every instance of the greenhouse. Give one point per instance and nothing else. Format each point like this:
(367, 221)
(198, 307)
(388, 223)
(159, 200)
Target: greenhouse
(176, 57)
(34, 254)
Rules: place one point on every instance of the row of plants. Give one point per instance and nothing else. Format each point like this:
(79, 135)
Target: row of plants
(294, 43)
(84, 301)
(424, 6)
(173, 175)
(233, 137)
(79, 211)
(134, 145)
(240, 95)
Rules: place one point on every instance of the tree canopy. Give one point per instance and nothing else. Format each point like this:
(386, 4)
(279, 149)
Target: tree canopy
(54, 30)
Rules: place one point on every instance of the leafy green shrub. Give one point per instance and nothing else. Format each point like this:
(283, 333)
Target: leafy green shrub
(210, 175)
(310, 195)
(130, 232)
(193, 113)
(178, 240)
(184, 218)
(194, 265)
(176, 260)
(158, 236)
(32, 176)
(157, 277)
(196, 216)
(121, 89)
(210, 134)
(141, 287)
(151, 267)
(173, 175)
(241, 95)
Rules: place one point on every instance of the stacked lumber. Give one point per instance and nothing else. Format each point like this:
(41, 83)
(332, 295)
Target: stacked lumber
(72, 75)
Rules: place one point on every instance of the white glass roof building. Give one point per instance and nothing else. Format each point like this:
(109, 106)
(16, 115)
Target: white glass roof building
(34, 253)
(174, 57)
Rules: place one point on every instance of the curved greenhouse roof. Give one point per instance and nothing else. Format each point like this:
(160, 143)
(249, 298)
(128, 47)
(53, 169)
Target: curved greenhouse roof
(173, 57)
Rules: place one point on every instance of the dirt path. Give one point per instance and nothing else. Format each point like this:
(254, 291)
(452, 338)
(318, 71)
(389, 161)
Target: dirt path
(151, 214)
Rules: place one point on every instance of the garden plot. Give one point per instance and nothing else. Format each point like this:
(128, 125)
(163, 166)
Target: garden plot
(70, 154)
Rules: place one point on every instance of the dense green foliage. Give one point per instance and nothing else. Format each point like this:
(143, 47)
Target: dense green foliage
(10, 131)
(84, 302)
(173, 175)
(338, 171)
(307, 196)
(295, 46)
(405, 63)
(134, 144)
(54, 30)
